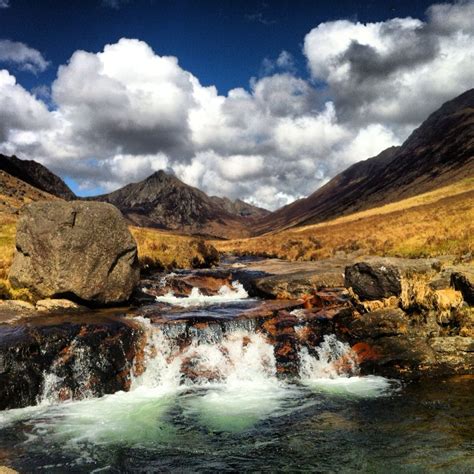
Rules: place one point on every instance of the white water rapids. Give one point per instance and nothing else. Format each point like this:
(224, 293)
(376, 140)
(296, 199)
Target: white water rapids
(234, 386)
(196, 298)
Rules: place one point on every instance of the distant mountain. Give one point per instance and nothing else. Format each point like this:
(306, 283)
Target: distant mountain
(439, 152)
(239, 207)
(36, 175)
(163, 201)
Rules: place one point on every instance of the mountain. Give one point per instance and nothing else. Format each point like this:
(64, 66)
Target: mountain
(163, 201)
(36, 175)
(438, 153)
(14, 193)
(240, 208)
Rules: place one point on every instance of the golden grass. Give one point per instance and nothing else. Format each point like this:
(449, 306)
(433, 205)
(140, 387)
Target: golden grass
(162, 250)
(437, 223)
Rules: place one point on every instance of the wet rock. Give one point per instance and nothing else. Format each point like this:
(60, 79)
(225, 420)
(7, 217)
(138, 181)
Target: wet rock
(280, 279)
(78, 356)
(79, 250)
(373, 281)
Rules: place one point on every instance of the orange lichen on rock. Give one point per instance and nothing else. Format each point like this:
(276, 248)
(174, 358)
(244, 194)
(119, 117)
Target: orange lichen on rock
(365, 352)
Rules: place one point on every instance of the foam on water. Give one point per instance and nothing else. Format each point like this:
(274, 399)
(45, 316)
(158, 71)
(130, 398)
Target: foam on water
(227, 383)
(334, 370)
(196, 298)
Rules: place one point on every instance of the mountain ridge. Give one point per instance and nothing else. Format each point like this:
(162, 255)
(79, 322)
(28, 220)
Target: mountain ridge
(438, 152)
(36, 175)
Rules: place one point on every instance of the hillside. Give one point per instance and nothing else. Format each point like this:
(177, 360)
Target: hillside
(163, 201)
(36, 175)
(439, 152)
(439, 222)
(15, 193)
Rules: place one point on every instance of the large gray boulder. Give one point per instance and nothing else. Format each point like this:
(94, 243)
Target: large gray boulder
(76, 250)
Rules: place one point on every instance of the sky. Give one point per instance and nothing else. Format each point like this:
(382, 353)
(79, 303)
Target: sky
(263, 101)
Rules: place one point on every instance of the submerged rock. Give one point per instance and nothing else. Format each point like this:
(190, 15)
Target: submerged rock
(81, 251)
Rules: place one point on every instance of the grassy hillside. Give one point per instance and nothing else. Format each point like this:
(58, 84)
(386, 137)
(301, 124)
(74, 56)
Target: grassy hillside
(436, 223)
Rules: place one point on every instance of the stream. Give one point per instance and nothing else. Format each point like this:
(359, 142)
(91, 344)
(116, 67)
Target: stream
(218, 404)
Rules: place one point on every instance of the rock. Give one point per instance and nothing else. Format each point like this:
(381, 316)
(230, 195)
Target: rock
(52, 305)
(373, 281)
(464, 282)
(12, 310)
(454, 344)
(84, 355)
(78, 250)
(383, 322)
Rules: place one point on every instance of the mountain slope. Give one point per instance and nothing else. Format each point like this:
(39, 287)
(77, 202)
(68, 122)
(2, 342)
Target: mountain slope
(15, 193)
(36, 175)
(439, 152)
(163, 201)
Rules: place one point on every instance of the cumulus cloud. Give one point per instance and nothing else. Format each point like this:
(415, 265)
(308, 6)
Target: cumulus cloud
(284, 62)
(122, 113)
(21, 114)
(394, 72)
(4, 3)
(126, 100)
(22, 56)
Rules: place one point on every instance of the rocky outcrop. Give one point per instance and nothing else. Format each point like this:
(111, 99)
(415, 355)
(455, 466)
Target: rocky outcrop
(463, 281)
(425, 328)
(82, 251)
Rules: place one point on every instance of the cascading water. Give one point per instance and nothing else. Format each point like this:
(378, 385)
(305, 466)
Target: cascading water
(196, 298)
(198, 380)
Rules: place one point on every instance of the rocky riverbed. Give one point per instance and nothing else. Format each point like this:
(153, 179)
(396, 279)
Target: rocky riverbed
(401, 318)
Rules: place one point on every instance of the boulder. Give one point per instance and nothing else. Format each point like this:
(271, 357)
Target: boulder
(464, 282)
(373, 281)
(82, 251)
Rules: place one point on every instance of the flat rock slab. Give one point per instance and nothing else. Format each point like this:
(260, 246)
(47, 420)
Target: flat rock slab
(274, 278)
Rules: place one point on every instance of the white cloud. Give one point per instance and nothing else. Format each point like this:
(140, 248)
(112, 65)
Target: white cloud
(122, 113)
(19, 110)
(22, 56)
(4, 3)
(394, 72)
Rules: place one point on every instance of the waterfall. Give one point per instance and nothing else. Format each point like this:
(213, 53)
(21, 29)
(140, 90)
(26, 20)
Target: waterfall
(238, 356)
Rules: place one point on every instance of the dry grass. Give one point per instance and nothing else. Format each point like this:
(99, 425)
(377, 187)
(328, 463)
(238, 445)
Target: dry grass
(162, 250)
(437, 223)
